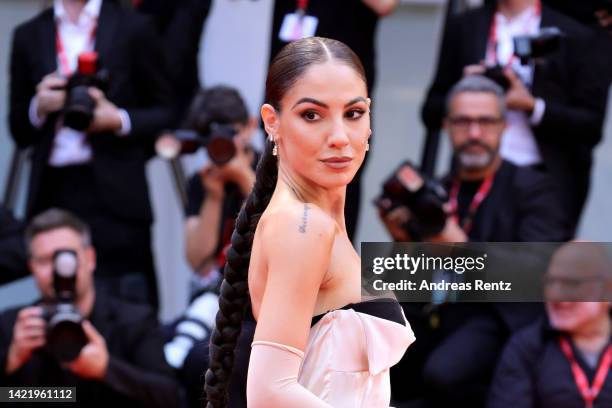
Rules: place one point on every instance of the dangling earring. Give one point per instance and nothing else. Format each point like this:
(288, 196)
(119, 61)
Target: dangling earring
(275, 150)
(367, 148)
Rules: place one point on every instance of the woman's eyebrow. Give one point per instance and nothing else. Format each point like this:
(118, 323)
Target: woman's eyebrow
(357, 99)
(323, 105)
(310, 100)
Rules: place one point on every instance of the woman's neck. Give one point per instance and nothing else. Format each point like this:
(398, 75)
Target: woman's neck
(595, 336)
(512, 8)
(74, 8)
(330, 201)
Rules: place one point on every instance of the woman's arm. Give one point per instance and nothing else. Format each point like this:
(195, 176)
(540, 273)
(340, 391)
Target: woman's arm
(297, 247)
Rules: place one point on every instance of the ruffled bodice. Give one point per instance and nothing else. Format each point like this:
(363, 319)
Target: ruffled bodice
(350, 351)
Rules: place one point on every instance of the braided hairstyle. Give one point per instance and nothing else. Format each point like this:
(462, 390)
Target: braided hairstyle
(286, 68)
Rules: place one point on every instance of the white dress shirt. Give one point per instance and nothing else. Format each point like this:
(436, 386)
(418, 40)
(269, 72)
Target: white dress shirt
(71, 147)
(518, 144)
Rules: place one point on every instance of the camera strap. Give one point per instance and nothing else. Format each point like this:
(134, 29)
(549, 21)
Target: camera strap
(301, 6)
(491, 53)
(479, 197)
(62, 57)
(589, 393)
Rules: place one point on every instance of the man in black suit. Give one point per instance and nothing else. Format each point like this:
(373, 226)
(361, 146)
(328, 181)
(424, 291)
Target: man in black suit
(557, 107)
(180, 24)
(491, 200)
(122, 360)
(99, 173)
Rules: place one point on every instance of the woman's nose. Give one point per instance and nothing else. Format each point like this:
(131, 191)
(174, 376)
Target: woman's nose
(339, 136)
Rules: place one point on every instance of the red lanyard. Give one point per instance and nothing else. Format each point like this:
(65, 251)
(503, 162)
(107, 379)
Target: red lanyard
(491, 55)
(302, 5)
(481, 194)
(589, 394)
(61, 51)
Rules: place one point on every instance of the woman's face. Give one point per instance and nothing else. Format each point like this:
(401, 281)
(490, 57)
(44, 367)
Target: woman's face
(323, 126)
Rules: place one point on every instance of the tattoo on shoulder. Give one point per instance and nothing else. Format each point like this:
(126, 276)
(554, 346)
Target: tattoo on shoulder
(302, 228)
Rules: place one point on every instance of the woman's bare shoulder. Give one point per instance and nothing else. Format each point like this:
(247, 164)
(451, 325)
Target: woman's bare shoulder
(303, 221)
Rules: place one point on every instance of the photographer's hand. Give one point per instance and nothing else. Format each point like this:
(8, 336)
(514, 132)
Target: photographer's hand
(604, 18)
(239, 170)
(92, 362)
(50, 94)
(394, 220)
(28, 335)
(106, 114)
(213, 182)
(518, 97)
(452, 232)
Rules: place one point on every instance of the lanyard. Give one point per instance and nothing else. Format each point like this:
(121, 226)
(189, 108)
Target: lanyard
(589, 394)
(481, 194)
(302, 5)
(61, 51)
(491, 54)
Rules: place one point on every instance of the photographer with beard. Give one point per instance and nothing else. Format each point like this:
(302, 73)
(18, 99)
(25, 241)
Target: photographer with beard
(556, 97)
(488, 200)
(76, 336)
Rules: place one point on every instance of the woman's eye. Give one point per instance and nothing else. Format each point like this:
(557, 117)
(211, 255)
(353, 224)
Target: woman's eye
(355, 113)
(310, 115)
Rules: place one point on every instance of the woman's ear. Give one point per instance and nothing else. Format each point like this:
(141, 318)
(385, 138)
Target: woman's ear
(270, 119)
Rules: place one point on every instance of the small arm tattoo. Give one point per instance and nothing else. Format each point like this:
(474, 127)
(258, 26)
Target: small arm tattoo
(302, 228)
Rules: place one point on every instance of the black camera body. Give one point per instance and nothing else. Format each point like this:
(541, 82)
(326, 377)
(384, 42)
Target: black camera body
(423, 196)
(218, 142)
(531, 47)
(64, 333)
(79, 106)
(496, 74)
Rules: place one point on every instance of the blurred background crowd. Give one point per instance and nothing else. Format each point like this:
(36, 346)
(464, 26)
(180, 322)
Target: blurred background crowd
(132, 137)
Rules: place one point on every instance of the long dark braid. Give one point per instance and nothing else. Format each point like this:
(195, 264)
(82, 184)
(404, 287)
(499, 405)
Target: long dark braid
(234, 296)
(286, 68)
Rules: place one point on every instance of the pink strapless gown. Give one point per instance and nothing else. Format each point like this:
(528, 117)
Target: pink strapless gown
(348, 356)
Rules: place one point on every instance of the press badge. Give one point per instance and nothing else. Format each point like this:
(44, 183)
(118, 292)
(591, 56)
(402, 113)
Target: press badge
(297, 26)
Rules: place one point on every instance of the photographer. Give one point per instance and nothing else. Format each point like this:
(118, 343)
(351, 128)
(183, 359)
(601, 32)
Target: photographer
(120, 359)
(216, 193)
(487, 199)
(88, 93)
(556, 102)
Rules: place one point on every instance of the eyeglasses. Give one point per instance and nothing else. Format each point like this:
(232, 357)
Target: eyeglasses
(463, 123)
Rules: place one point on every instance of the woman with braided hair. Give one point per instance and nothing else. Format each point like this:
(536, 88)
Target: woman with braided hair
(291, 258)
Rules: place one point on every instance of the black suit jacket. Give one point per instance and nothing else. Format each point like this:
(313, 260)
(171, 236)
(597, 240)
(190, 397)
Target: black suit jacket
(129, 48)
(13, 262)
(520, 207)
(575, 93)
(180, 23)
(137, 373)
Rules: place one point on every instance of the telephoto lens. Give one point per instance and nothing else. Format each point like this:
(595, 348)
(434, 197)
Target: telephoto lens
(65, 335)
(80, 106)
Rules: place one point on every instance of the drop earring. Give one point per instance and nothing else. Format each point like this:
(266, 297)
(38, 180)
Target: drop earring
(275, 150)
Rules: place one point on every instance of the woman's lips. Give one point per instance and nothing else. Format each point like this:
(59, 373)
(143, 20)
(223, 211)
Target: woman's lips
(337, 162)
